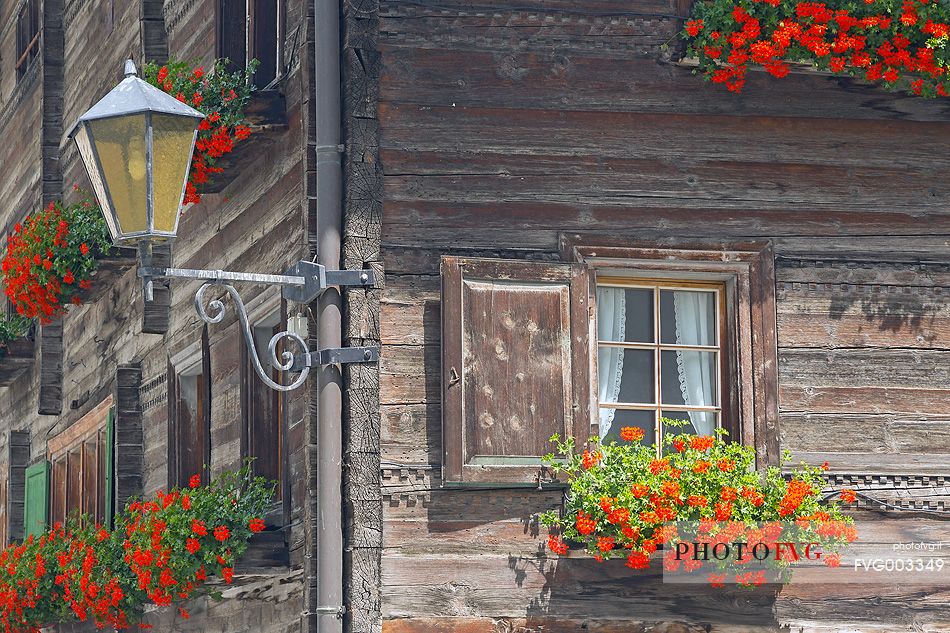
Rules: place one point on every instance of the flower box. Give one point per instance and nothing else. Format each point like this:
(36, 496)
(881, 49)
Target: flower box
(794, 68)
(266, 115)
(16, 357)
(110, 269)
(265, 550)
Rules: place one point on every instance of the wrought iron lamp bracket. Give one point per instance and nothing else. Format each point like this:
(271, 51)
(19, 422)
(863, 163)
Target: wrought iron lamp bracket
(303, 282)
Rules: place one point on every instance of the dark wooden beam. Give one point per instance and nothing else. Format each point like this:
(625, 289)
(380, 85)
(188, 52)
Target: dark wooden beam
(362, 226)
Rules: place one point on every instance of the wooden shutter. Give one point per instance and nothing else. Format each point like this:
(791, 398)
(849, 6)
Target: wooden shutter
(516, 365)
(36, 499)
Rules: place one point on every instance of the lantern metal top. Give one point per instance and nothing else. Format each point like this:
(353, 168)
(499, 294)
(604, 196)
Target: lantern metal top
(135, 96)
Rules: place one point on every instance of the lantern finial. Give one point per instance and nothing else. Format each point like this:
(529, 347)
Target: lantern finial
(130, 70)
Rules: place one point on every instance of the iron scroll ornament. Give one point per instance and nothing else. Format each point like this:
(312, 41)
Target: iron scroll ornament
(285, 363)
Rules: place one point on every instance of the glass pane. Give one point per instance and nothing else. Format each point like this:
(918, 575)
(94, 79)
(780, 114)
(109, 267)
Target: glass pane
(73, 481)
(120, 143)
(697, 422)
(688, 378)
(612, 420)
(172, 138)
(625, 375)
(92, 169)
(103, 484)
(625, 314)
(688, 317)
(90, 478)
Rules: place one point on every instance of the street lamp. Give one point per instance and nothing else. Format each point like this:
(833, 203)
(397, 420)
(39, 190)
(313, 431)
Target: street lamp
(136, 144)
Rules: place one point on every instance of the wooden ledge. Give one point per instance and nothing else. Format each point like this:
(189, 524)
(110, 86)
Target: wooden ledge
(110, 270)
(266, 114)
(795, 68)
(16, 358)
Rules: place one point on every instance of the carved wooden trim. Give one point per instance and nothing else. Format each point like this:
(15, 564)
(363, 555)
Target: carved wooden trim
(154, 392)
(79, 429)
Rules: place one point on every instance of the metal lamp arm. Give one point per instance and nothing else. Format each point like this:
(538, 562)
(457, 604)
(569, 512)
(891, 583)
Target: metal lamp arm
(302, 283)
(286, 361)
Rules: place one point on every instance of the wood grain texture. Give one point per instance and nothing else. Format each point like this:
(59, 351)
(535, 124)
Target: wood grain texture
(51, 369)
(17, 359)
(362, 230)
(504, 128)
(18, 458)
(129, 435)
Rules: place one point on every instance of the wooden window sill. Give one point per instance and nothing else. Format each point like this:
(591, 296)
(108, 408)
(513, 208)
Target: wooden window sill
(266, 113)
(16, 358)
(111, 268)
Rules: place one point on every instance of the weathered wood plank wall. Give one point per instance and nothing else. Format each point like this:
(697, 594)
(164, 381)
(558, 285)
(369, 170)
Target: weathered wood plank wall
(502, 126)
(256, 224)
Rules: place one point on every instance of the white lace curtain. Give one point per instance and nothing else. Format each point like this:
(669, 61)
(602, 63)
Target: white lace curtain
(611, 324)
(693, 314)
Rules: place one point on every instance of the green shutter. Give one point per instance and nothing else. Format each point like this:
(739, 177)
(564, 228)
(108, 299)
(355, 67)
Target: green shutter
(36, 501)
(110, 468)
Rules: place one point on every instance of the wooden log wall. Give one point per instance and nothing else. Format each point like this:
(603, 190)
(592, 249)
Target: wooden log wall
(502, 127)
(257, 223)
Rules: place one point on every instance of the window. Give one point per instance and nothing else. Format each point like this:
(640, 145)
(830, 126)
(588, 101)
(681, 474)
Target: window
(190, 417)
(659, 354)
(263, 406)
(81, 467)
(623, 335)
(27, 36)
(251, 29)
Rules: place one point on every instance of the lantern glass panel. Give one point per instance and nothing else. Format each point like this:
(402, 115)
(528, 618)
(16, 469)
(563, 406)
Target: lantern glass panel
(172, 138)
(120, 143)
(89, 158)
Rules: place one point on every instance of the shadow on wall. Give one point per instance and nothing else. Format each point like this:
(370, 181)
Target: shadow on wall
(610, 597)
(891, 311)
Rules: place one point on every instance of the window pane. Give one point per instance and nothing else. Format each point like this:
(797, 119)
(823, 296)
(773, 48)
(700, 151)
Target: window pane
(73, 481)
(688, 378)
(612, 420)
(625, 375)
(698, 422)
(687, 317)
(101, 467)
(625, 314)
(58, 491)
(90, 479)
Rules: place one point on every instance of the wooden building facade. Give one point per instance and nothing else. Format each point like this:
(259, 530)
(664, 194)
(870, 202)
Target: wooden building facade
(501, 162)
(520, 140)
(173, 396)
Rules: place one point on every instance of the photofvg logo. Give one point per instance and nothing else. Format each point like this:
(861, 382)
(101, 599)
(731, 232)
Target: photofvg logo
(734, 552)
